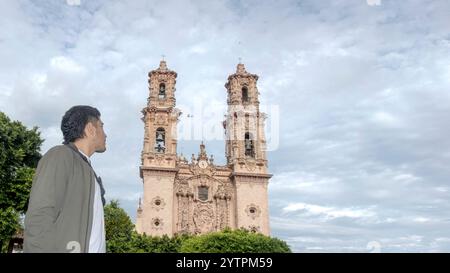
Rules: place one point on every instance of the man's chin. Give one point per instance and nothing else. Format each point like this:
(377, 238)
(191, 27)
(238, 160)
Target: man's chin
(101, 150)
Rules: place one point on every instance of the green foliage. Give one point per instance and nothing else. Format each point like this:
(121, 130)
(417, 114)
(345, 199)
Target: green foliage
(155, 244)
(117, 222)
(226, 241)
(118, 228)
(19, 155)
(234, 241)
(9, 224)
(121, 238)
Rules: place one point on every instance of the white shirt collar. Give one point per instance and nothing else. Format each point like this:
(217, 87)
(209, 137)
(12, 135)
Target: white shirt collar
(87, 157)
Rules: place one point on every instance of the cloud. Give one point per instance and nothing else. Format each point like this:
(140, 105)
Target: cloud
(385, 119)
(66, 65)
(328, 212)
(360, 152)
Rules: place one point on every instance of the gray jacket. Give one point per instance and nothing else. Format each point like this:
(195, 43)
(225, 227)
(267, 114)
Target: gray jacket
(60, 210)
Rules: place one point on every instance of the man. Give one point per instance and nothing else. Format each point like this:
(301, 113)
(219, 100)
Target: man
(65, 211)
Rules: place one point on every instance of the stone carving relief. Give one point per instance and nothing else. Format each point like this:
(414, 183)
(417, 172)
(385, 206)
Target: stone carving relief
(253, 211)
(224, 191)
(157, 223)
(157, 159)
(222, 214)
(184, 198)
(254, 229)
(222, 198)
(182, 188)
(158, 203)
(250, 164)
(183, 214)
(203, 218)
(161, 119)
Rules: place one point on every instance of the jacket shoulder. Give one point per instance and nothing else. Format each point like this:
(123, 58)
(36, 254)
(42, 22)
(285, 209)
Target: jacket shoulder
(60, 152)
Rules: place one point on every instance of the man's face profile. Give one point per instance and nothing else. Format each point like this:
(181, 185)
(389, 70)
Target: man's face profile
(101, 137)
(94, 131)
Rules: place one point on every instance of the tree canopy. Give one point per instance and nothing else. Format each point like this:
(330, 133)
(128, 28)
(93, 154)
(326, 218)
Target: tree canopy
(19, 155)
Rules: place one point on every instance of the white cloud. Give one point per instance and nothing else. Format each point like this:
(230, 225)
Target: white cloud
(39, 81)
(386, 119)
(329, 212)
(65, 64)
(421, 219)
(362, 150)
(442, 189)
(73, 2)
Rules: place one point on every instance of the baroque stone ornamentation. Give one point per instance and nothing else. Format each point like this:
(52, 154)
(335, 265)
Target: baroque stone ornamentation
(161, 119)
(157, 223)
(158, 203)
(184, 217)
(253, 228)
(250, 164)
(203, 218)
(198, 196)
(253, 211)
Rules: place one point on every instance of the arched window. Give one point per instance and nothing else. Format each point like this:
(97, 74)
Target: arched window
(162, 91)
(245, 94)
(160, 141)
(203, 193)
(249, 145)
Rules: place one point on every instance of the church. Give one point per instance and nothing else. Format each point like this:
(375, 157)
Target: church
(198, 196)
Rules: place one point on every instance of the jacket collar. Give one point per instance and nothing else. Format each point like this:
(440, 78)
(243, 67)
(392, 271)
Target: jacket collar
(76, 150)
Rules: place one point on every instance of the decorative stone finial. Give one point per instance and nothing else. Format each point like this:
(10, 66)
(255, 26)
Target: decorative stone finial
(202, 154)
(240, 69)
(162, 65)
(140, 206)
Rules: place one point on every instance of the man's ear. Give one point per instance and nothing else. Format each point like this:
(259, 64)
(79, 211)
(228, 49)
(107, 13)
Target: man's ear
(89, 130)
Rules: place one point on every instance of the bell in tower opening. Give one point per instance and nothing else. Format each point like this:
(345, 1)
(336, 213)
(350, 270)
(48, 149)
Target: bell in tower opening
(162, 91)
(160, 146)
(249, 148)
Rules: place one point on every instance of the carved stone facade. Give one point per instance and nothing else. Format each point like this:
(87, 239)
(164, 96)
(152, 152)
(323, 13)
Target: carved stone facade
(197, 196)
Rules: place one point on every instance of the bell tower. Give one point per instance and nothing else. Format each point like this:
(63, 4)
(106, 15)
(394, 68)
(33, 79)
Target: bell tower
(159, 155)
(245, 147)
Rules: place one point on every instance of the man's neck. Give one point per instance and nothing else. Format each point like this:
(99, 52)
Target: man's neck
(84, 148)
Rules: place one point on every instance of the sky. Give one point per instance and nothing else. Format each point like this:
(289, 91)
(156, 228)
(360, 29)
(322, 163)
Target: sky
(357, 93)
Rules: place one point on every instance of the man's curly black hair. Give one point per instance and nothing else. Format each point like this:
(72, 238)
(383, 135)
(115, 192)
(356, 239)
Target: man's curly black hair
(74, 121)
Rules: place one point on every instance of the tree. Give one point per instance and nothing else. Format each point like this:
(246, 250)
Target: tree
(9, 224)
(234, 241)
(142, 243)
(121, 237)
(118, 228)
(19, 155)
